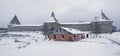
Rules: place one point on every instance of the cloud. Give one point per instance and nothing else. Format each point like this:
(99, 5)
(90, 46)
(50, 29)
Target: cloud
(37, 11)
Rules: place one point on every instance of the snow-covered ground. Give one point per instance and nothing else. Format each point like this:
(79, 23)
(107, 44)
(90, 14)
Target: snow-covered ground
(33, 44)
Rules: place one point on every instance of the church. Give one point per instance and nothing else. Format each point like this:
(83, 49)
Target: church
(104, 25)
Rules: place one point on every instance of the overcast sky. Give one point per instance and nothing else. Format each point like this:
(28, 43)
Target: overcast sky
(37, 11)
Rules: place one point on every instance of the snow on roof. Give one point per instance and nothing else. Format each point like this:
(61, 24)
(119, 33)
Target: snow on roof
(78, 23)
(50, 20)
(71, 30)
(103, 20)
(28, 25)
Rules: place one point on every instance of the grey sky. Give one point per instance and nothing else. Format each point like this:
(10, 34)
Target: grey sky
(37, 11)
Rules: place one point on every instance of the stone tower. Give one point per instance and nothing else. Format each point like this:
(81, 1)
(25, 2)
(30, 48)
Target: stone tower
(103, 25)
(50, 24)
(15, 21)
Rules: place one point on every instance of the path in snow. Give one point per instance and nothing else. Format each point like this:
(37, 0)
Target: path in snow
(114, 41)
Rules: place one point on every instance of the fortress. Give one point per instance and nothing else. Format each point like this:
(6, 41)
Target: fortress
(104, 25)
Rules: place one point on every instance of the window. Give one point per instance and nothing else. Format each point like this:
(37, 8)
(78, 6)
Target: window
(87, 35)
(56, 30)
(60, 30)
(62, 38)
(54, 36)
(63, 30)
(74, 35)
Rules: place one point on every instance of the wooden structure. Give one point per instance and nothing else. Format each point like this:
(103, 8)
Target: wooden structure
(66, 34)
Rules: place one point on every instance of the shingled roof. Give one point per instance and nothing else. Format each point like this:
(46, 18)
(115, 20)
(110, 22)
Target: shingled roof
(15, 20)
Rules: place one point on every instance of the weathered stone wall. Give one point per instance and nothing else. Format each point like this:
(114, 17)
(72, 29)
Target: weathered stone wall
(95, 27)
(82, 27)
(101, 27)
(49, 26)
(25, 28)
